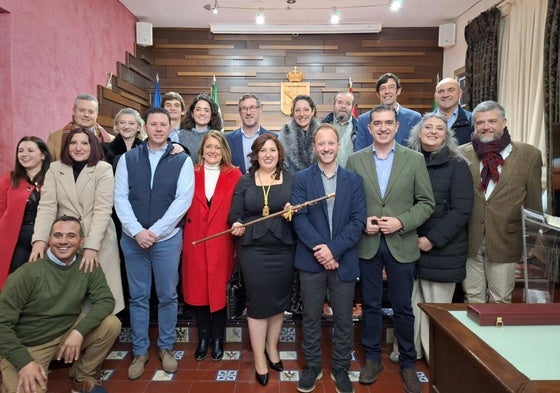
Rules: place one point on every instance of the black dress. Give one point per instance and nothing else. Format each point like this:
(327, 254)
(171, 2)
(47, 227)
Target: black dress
(265, 252)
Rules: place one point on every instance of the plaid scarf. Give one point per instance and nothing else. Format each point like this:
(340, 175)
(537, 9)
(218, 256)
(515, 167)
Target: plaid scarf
(489, 155)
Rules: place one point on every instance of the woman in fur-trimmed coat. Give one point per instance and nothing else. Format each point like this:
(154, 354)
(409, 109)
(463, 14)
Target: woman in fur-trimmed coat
(297, 135)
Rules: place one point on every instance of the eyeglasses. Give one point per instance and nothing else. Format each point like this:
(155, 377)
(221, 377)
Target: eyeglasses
(251, 108)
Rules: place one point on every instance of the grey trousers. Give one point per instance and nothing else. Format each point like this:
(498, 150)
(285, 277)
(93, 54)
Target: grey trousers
(314, 288)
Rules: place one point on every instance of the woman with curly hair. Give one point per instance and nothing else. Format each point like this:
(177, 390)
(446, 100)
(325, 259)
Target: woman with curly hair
(202, 116)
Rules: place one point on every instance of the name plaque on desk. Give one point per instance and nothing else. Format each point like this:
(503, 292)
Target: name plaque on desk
(488, 314)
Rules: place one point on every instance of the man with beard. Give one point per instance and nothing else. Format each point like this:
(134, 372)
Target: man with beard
(327, 256)
(346, 124)
(84, 115)
(506, 176)
(240, 140)
(388, 88)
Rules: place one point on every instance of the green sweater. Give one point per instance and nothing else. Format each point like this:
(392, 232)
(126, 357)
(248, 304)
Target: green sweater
(42, 300)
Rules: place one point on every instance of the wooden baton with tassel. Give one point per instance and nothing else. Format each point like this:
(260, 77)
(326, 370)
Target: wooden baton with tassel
(287, 213)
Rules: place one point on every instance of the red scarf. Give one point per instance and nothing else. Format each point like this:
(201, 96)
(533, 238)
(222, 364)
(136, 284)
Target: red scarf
(489, 155)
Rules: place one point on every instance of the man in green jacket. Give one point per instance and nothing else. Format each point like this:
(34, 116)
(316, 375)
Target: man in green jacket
(399, 199)
(41, 319)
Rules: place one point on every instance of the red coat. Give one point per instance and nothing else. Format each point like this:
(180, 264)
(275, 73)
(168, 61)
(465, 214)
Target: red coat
(207, 266)
(12, 207)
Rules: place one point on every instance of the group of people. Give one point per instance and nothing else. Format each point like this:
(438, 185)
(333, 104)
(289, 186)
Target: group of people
(430, 201)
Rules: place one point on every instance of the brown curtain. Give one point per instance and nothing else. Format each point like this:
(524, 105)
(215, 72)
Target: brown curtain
(551, 88)
(481, 65)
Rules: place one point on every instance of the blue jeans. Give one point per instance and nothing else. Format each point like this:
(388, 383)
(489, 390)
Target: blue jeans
(161, 260)
(400, 279)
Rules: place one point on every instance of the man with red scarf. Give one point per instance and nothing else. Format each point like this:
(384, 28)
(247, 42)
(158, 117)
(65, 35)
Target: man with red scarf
(506, 176)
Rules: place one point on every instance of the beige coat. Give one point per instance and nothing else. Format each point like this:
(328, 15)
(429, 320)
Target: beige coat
(498, 219)
(90, 199)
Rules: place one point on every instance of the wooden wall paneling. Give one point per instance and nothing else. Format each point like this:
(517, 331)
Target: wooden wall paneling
(187, 58)
(132, 77)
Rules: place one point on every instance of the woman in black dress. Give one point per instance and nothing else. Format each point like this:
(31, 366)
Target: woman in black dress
(265, 251)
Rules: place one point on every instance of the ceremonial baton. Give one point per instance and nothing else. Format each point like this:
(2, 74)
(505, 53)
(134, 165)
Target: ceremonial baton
(286, 212)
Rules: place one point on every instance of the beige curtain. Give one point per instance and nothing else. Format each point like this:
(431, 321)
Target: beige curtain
(521, 86)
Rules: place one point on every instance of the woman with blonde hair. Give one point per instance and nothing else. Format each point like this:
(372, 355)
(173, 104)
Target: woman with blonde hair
(208, 266)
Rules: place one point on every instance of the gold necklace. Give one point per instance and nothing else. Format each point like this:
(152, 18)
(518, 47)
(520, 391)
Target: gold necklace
(266, 209)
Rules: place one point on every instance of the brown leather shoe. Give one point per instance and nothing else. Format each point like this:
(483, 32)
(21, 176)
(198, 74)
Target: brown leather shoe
(90, 385)
(370, 371)
(411, 382)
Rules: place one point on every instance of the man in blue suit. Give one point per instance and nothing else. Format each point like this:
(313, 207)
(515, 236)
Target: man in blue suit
(240, 140)
(327, 256)
(388, 88)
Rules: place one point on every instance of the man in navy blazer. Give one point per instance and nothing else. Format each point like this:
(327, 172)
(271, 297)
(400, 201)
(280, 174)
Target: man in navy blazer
(448, 96)
(388, 88)
(327, 255)
(240, 140)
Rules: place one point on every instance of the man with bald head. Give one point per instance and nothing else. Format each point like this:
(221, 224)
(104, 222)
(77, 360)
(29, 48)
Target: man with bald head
(346, 124)
(448, 95)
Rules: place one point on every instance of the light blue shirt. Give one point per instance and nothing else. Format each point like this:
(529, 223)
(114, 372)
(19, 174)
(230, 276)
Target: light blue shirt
(166, 226)
(383, 168)
(247, 143)
(174, 134)
(58, 261)
(451, 119)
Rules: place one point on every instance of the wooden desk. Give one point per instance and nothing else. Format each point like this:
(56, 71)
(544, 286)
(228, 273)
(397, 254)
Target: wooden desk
(461, 362)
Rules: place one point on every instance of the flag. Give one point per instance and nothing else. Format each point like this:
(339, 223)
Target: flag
(434, 102)
(215, 98)
(355, 108)
(215, 93)
(156, 102)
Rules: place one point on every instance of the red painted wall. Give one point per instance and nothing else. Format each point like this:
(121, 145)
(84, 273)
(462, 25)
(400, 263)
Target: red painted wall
(51, 51)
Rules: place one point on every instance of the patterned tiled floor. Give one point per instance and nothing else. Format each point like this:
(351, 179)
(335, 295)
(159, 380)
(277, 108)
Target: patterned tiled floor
(235, 373)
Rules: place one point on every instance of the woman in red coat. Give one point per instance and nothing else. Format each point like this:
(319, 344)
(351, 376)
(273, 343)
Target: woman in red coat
(20, 191)
(208, 266)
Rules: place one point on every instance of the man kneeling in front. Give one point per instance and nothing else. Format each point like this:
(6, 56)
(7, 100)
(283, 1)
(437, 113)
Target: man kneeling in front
(41, 319)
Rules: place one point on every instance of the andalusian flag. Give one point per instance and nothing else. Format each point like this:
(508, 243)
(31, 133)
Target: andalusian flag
(216, 100)
(156, 102)
(215, 93)
(434, 102)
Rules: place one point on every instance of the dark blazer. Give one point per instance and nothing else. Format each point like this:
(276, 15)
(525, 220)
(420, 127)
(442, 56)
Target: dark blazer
(499, 217)
(407, 119)
(312, 223)
(235, 142)
(116, 148)
(463, 127)
(447, 227)
(408, 197)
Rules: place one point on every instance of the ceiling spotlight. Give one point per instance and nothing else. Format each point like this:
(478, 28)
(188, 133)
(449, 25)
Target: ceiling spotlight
(395, 5)
(335, 17)
(290, 1)
(260, 17)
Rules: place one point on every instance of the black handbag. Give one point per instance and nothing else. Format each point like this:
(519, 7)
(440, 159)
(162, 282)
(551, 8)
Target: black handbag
(236, 295)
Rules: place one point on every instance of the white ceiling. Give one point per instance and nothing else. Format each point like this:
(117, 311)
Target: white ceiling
(191, 13)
